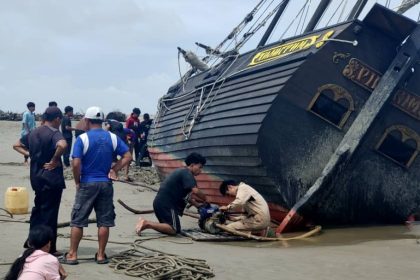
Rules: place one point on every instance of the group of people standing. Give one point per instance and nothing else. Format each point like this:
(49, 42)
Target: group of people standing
(98, 155)
(141, 133)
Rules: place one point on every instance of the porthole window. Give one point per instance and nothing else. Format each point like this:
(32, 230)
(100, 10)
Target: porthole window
(333, 104)
(400, 144)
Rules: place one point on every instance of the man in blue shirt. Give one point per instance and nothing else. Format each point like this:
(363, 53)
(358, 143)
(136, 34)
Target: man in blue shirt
(28, 119)
(28, 123)
(92, 161)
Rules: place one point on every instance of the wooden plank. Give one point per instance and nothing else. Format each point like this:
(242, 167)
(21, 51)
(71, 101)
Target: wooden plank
(174, 145)
(214, 151)
(246, 100)
(281, 74)
(261, 96)
(200, 133)
(226, 119)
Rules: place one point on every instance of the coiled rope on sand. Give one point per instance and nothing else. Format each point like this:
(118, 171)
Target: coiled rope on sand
(137, 262)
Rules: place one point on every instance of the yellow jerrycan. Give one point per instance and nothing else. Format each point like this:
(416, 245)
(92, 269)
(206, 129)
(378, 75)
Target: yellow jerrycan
(16, 200)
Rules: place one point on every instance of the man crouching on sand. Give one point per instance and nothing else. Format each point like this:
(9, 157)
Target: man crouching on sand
(257, 214)
(170, 201)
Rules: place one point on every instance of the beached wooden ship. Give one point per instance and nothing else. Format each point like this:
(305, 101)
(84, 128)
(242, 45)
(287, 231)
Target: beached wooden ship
(325, 125)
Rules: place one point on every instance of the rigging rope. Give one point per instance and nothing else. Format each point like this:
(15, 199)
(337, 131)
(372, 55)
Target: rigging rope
(335, 12)
(188, 117)
(406, 5)
(274, 29)
(342, 11)
(300, 18)
(306, 16)
(323, 14)
(201, 106)
(258, 27)
(235, 31)
(158, 265)
(291, 23)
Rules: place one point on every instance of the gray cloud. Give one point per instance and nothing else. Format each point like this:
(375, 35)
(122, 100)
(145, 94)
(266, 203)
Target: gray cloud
(114, 54)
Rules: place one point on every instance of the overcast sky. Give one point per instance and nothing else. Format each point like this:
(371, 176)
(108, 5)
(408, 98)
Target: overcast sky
(113, 54)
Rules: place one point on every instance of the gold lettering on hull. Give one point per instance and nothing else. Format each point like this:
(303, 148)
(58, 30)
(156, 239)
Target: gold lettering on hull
(362, 74)
(291, 47)
(368, 78)
(408, 103)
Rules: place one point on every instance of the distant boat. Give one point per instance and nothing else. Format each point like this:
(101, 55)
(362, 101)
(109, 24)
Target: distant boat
(325, 125)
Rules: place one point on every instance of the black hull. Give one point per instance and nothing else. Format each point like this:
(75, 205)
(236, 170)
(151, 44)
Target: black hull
(261, 124)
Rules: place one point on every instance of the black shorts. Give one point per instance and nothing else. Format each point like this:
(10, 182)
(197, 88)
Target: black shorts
(167, 214)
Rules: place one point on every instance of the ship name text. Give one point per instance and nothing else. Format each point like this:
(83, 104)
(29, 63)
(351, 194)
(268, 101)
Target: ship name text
(408, 103)
(362, 74)
(290, 47)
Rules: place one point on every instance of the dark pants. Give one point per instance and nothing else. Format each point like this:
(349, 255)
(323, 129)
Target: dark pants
(45, 211)
(143, 153)
(136, 150)
(142, 150)
(66, 154)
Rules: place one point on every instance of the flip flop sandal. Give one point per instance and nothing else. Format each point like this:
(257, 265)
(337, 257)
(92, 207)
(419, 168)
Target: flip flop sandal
(128, 179)
(63, 260)
(104, 261)
(57, 254)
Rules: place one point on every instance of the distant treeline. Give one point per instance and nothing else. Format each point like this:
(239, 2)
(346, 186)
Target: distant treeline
(10, 116)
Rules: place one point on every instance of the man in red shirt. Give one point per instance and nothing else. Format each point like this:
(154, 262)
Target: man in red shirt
(133, 123)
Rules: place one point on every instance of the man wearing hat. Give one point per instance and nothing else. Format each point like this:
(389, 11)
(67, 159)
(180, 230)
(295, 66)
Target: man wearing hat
(93, 153)
(46, 146)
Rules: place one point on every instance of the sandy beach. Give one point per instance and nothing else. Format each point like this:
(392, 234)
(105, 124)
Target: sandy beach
(382, 252)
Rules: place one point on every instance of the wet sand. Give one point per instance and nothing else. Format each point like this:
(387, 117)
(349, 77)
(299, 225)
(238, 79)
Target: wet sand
(382, 252)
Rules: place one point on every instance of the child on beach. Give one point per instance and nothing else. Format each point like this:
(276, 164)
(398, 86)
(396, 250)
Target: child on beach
(36, 263)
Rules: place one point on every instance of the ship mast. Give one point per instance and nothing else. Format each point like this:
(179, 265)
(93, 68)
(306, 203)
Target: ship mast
(357, 9)
(317, 15)
(273, 23)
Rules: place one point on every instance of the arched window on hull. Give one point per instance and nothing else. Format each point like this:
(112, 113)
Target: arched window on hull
(400, 144)
(333, 104)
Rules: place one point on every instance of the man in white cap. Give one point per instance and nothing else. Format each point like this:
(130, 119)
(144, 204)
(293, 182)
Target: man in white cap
(92, 161)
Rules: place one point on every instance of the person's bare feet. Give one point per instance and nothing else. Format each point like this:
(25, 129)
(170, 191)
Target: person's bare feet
(140, 225)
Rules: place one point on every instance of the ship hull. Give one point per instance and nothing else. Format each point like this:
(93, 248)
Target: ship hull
(276, 116)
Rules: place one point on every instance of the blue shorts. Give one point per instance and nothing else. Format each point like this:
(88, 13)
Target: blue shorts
(94, 195)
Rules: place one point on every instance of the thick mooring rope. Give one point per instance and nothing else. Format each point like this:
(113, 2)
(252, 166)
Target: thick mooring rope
(310, 233)
(158, 265)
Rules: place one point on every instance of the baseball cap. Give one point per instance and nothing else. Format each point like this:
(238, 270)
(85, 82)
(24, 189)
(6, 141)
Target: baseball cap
(94, 113)
(52, 112)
